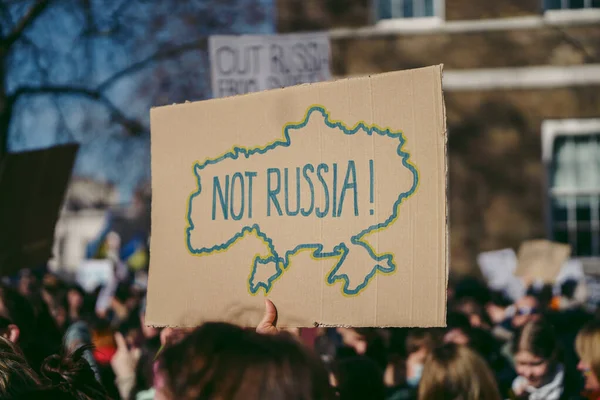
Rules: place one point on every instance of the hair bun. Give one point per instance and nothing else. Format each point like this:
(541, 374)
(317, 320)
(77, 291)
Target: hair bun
(66, 368)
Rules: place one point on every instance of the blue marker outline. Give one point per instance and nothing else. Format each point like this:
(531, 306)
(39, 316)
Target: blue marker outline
(340, 251)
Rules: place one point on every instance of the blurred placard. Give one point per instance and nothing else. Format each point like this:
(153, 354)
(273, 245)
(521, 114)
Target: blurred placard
(541, 260)
(94, 273)
(498, 267)
(251, 63)
(32, 188)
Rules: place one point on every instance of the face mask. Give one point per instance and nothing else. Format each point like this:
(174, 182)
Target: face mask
(413, 381)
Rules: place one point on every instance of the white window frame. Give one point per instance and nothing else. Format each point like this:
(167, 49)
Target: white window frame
(551, 129)
(558, 15)
(564, 5)
(439, 11)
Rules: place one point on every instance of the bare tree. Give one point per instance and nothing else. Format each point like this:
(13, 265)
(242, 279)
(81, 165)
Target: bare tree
(75, 69)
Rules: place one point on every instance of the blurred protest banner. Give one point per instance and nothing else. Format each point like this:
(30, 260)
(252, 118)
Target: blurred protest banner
(498, 267)
(328, 198)
(95, 273)
(252, 63)
(32, 189)
(541, 260)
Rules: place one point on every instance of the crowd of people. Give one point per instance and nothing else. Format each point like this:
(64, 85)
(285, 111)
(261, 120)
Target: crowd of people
(56, 343)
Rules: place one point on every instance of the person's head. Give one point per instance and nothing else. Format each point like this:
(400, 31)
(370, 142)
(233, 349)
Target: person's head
(26, 282)
(17, 314)
(144, 370)
(131, 330)
(568, 288)
(475, 311)
(472, 288)
(16, 376)
(454, 372)
(358, 378)
(58, 305)
(222, 361)
(354, 339)
(419, 343)
(526, 309)
(68, 376)
(20, 324)
(458, 329)
(496, 307)
(363, 341)
(75, 299)
(587, 345)
(536, 352)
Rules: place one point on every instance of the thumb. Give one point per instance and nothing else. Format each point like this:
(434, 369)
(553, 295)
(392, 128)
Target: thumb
(267, 325)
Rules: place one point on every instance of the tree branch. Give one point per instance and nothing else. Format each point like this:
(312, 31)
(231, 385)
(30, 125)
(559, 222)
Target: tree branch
(157, 56)
(133, 126)
(34, 11)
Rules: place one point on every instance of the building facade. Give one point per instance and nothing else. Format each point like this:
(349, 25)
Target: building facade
(522, 93)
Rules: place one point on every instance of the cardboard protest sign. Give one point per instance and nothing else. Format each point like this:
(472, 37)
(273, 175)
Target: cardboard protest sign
(541, 260)
(32, 189)
(328, 198)
(252, 63)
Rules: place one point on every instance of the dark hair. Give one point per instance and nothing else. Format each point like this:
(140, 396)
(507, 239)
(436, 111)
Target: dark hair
(500, 299)
(458, 320)
(568, 288)
(68, 376)
(130, 323)
(38, 335)
(539, 338)
(456, 372)
(225, 361)
(471, 306)
(421, 337)
(144, 370)
(359, 378)
(474, 289)
(16, 376)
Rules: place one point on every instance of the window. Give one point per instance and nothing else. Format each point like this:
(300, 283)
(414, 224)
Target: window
(570, 4)
(393, 9)
(571, 151)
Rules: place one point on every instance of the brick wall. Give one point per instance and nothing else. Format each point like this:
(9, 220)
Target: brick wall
(496, 180)
(307, 15)
(487, 9)
(496, 192)
(491, 49)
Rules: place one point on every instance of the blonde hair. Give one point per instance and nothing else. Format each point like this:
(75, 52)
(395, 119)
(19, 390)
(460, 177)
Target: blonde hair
(454, 372)
(587, 345)
(16, 376)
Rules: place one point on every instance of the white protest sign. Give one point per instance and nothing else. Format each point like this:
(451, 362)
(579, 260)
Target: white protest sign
(94, 273)
(498, 268)
(571, 270)
(252, 63)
